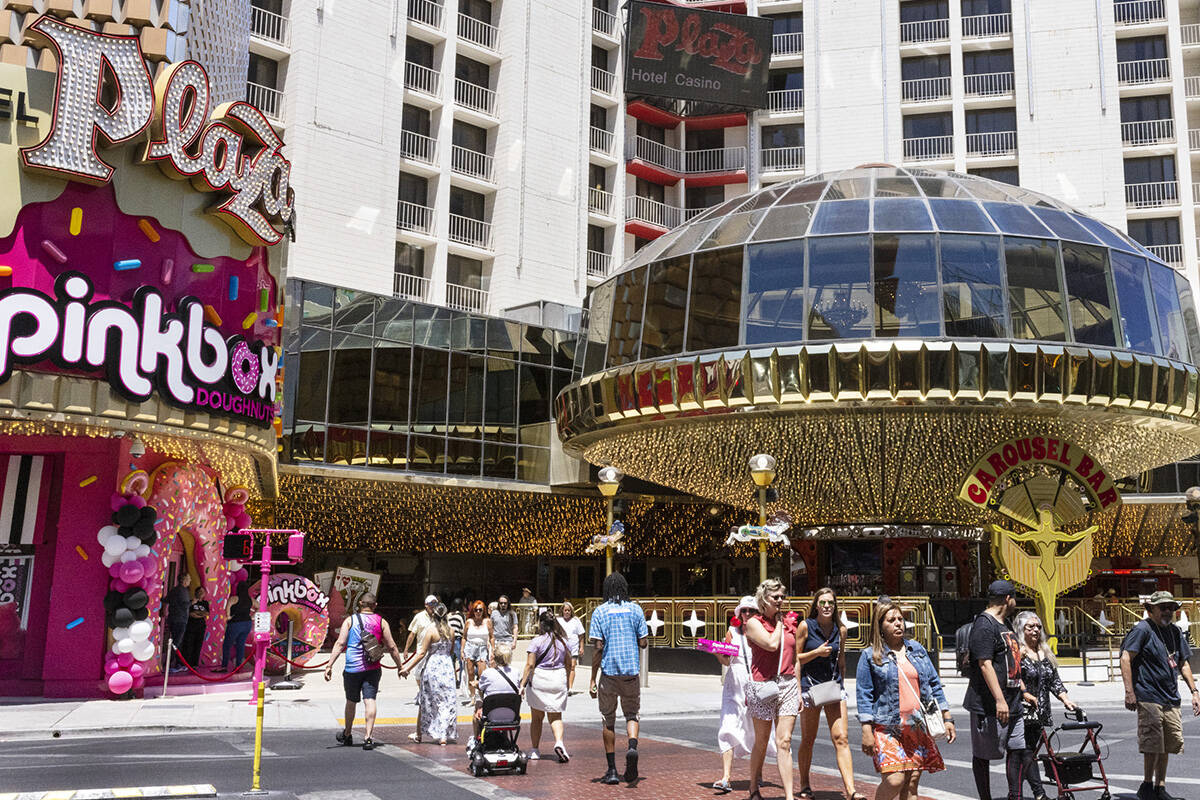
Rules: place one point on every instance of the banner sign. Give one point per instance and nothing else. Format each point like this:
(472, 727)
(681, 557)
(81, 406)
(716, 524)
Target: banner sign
(976, 488)
(686, 54)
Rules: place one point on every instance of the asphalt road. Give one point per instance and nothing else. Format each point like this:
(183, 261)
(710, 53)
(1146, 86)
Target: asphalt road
(309, 766)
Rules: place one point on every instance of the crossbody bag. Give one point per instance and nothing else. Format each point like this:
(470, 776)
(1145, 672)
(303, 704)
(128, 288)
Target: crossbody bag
(768, 691)
(930, 715)
(371, 646)
(826, 692)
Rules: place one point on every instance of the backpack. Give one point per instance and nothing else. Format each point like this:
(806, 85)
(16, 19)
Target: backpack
(371, 646)
(962, 647)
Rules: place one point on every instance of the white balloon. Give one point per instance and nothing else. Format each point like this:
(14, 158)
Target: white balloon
(108, 559)
(234, 566)
(128, 555)
(140, 631)
(142, 551)
(125, 645)
(120, 633)
(143, 651)
(114, 545)
(116, 647)
(105, 532)
(132, 543)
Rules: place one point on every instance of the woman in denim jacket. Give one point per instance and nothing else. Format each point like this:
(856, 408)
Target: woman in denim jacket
(894, 675)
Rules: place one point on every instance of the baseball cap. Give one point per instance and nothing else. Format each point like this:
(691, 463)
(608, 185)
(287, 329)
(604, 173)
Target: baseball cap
(747, 602)
(431, 600)
(1161, 598)
(1001, 588)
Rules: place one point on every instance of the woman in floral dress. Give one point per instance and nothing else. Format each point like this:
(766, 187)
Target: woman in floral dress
(438, 698)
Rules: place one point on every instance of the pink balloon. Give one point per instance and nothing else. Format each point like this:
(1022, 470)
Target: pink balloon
(138, 501)
(125, 659)
(230, 523)
(241, 575)
(232, 509)
(118, 584)
(120, 682)
(149, 563)
(115, 570)
(136, 670)
(243, 520)
(138, 683)
(117, 501)
(110, 667)
(131, 571)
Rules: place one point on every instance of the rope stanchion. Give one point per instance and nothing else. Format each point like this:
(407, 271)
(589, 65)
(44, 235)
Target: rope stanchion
(231, 674)
(322, 665)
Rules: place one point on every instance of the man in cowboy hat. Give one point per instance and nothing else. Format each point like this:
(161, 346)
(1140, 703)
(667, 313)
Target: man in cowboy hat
(1153, 653)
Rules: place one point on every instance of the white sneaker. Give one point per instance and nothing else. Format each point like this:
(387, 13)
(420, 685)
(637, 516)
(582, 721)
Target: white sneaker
(534, 755)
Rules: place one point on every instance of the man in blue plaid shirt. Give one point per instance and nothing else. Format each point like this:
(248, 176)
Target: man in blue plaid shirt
(618, 630)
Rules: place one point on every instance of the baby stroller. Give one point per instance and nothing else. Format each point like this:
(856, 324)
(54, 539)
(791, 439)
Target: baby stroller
(496, 748)
(1072, 771)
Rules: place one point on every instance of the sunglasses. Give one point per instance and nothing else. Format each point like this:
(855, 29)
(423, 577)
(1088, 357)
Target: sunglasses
(1033, 626)
(826, 604)
(777, 598)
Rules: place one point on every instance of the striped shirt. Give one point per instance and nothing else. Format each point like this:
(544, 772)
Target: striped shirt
(456, 622)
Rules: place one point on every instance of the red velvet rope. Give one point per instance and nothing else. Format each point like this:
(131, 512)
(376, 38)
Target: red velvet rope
(226, 677)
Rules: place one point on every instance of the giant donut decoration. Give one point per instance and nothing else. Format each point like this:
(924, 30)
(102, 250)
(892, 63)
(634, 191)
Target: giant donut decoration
(296, 598)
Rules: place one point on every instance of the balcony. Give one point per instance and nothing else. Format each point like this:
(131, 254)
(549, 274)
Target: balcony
(426, 12)
(603, 81)
(598, 264)
(986, 26)
(472, 163)
(1151, 70)
(465, 298)
(987, 84)
(787, 44)
(268, 25)
(1190, 34)
(785, 100)
(414, 217)
(655, 153)
(476, 31)
(929, 148)
(267, 100)
(1152, 195)
(411, 287)
(599, 201)
(1167, 253)
(472, 232)
(417, 147)
(714, 160)
(1150, 131)
(991, 145)
(929, 30)
(601, 141)
(782, 159)
(924, 90)
(422, 79)
(475, 97)
(1139, 12)
(652, 212)
(1191, 87)
(1194, 139)
(604, 22)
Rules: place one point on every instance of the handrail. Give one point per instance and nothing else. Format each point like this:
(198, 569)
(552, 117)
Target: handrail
(1148, 70)
(265, 99)
(785, 100)
(981, 26)
(601, 140)
(473, 96)
(471, 163)
(922, 90)
(269, 25)
(599, 200)
(780, 159)
(469, 231)
(1167, 253)
(652, 212)
(603, 80)
(418, 147)
(1154, 193)
(986, 84)
(477, 31)
(465, 298)
(787, 44)
(598, 264)
(411, 287)
(414, 217)
(422, 79)
(1138, 12)
(1191, 87)
(603, 21)
(996, 143)
(426, 12)
(1190, 34)
(926, 30)
(1150, 131)
(929, 148)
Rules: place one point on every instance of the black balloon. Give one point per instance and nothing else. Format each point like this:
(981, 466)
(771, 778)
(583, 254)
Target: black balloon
(142, 528)
(149, 513)
(123, 618)
(135, 598)
(141, 613)
(113, 600)
(126, 531)
(127, 515)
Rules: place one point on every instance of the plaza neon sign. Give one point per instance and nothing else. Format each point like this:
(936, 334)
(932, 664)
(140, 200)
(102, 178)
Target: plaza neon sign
(235, 153)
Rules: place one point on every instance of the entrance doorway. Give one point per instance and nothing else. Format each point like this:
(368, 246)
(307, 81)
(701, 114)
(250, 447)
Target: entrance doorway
(929, 569)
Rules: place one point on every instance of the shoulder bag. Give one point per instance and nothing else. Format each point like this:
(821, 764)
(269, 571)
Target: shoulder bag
(929, 715)
(825, 692)
(767, 691)
(371, 646)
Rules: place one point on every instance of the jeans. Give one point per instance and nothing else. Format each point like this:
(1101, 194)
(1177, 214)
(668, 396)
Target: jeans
(235, 642)
(177, 628)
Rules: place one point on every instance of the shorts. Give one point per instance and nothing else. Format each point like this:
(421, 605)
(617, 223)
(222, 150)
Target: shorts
(784, 704)
(991, 740)
(625, 687)
(1160, 728)
(361, 685)
(475, 651)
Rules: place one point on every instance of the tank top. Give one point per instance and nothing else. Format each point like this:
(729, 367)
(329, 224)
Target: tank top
(908, 689)
(355, 657)
(476, 633)
(820, 670)
(765, 664)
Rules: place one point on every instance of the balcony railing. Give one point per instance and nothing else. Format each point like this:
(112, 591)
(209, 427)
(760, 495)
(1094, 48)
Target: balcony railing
(473, 96)
(422, 79)
(1150, 131)
(473, 232)
(782, 159)
(929, 30)
(1191, 87)
(411, 287)
(477, 31)
(656, 153)
(599, 201)
(998, 143)
(471, 163)
(983, 26)
(465, 298)
(986, 84)
(1150, 195)
(267, 100)
(717, 159)
(1194, 139)
(603, 80)
(1151, 70)
(418, 147)
(414, 217)
(598, 264)
(268, 25)
(923, 90)
(1169, 253)
(1196, 193)
(1139, 12)
(929, 148)
(604, 22)
(427, 12)
(601, 140)
(1190, 34)
(787, 44)
(785, 100)
(652, 212)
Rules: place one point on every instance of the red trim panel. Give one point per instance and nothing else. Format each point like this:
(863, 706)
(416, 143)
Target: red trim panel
(652, 173)
(717, 179)
(732, 6)
(640, 109)
(643, 229)
(716, 121)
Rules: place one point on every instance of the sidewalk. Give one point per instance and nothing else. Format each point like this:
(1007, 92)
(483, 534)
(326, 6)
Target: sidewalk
(320, 705)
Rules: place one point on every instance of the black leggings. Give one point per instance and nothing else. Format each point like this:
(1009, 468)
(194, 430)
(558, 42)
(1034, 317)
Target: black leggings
(1030, 768)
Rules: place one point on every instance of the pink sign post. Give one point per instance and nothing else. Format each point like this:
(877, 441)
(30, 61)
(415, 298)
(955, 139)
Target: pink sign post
(262, 620)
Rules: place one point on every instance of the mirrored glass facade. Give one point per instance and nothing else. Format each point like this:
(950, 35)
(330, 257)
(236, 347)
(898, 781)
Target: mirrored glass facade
(382, 382)
(884, 252)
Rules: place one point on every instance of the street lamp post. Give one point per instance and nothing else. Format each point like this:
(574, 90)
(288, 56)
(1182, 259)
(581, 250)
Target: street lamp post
(1192, 498)
(762, 470)
(610, 482)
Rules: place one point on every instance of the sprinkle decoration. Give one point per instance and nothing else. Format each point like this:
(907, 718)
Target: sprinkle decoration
(127, 264)
(212, 316)
(202, 268)
(233, 287)
(148, 229)
(249, 320)
(52, 250)
(168, 270)
(88, 481)
(75, 623)
(76, 221)
(264, 299)
(82, 553)
(270, 323)
(5, 271)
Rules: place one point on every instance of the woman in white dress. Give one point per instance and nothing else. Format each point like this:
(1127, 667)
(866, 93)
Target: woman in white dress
(736, 736)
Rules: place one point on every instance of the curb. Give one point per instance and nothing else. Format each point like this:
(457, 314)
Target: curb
(140, 792)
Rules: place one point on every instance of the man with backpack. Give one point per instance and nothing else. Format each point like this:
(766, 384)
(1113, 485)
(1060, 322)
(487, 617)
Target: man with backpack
(993, 696)
(365, 637)
(1153, 652)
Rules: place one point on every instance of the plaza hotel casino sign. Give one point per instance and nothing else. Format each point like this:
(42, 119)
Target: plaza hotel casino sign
(149, 261)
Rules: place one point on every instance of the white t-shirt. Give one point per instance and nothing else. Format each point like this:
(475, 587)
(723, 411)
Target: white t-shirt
(573, 630)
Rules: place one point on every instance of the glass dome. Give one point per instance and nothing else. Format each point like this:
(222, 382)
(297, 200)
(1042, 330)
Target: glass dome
(889, 253)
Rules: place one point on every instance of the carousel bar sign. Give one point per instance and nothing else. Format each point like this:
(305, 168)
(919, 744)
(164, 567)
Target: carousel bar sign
(1004, 458)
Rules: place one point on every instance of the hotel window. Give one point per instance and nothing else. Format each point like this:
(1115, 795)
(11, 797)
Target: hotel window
(472, 71)
(1153, 170)
(476, 9)
(786, 79)
(418, 52)
(705, 139)
(470, 137)
(598, 177)
(263, 71)
(925, 126)
(409, 259)
(918, 67)
(992, 120)
(976, 8)
(600, 57)
(415, 119)
(1009, 175)
(652, 191)
(468, 204)
(782, 136)
(652, 132)
(1155, 232)
(1146, 109)
(697, 198)
(1141, 48)
(599, 117)
(462, 271)
(596, 239)
(924, 10)
(414, 189)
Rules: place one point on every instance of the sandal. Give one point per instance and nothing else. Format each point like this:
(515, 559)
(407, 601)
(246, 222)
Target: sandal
(755, 795)
(415, 738)
(858, 796)
(722, 786)
(806, 793)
